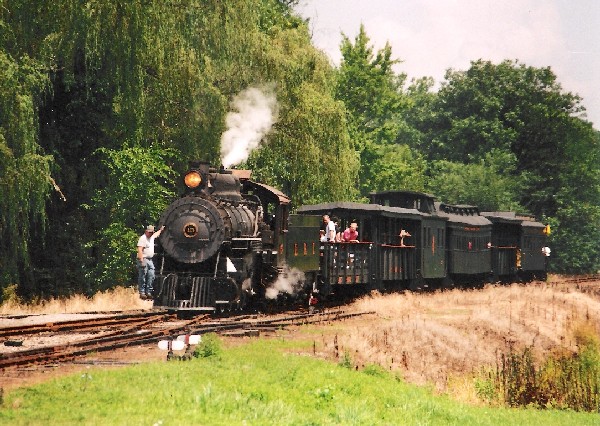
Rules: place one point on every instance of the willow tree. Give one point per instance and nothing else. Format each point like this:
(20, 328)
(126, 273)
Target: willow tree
(308, 154)
(176, 66)
(196, 60)
(25, 179)
(156, 77)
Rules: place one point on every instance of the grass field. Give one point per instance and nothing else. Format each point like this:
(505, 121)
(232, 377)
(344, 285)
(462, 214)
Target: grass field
(260, 383)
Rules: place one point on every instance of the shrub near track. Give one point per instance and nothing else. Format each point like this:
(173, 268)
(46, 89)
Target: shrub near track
(564, 380)
(259, 383)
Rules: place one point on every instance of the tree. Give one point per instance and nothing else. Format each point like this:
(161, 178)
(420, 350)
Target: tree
(574, 239)
(520, 111)
(308, 153)
(25, 172)
(157, 77)
(488, 184)
(576, 222)
(140, 186)
(397, 167)
(509, 107)
(371, 92)
(368, 85)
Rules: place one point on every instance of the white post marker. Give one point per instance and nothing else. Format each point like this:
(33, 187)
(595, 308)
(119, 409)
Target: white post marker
(190, 339)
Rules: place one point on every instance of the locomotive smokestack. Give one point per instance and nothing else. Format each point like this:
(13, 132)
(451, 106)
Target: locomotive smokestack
(201, 166)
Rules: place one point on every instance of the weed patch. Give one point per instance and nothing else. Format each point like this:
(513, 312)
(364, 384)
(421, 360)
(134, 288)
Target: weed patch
(210, 346)
(562, 380)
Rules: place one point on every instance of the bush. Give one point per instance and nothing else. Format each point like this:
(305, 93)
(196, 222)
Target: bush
(563, 380)
(9, 294)
(485, 390)
(346, 361)
(210, 346)
(375, 370)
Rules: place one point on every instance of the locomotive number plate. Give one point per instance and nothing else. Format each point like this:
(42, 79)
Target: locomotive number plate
(190, 230)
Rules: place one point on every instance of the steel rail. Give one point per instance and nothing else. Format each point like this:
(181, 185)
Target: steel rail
(131, 336)
(135, 335)
(71, 325)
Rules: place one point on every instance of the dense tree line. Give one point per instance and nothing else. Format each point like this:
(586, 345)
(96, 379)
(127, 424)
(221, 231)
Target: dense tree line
(104, 102)
(500, 136)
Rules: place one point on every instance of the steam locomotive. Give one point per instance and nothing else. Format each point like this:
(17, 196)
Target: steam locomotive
(230, 243)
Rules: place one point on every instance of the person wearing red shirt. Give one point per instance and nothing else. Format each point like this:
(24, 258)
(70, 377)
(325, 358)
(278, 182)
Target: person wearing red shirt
(350, 235)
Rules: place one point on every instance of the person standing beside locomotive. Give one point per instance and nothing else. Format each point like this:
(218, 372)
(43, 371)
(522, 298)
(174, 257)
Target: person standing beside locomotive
(145, 265)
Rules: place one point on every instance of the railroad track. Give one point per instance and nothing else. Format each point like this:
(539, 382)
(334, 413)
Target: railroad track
(581, 280)
(82, 325)
(140, 329)
(249, 325)
(132, 334)
(586, 284)
(585, 279)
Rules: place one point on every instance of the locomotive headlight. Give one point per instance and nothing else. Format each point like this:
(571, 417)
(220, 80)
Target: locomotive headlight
(193, 179)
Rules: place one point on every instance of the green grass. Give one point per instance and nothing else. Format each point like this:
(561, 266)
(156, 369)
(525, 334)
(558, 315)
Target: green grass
(254, 384)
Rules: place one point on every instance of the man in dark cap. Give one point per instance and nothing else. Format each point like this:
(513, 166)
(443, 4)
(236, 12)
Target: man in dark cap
(145, 265)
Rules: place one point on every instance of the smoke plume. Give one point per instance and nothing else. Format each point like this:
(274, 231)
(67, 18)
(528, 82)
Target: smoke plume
(253, 113)
(291, 281)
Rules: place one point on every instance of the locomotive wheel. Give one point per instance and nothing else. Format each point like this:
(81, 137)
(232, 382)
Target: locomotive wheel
(230, 291)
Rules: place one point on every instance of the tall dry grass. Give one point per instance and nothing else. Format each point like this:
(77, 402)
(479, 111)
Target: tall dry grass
(566, 380)
(117, 299)
(439, 337)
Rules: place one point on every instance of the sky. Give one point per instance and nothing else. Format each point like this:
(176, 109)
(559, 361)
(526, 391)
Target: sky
(430, 36)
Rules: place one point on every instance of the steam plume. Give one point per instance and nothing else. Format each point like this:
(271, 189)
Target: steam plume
(253, 113)
(291, 281)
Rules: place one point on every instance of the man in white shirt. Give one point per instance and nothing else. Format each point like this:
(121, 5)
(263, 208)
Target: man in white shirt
(329, 228)
(145, 265)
